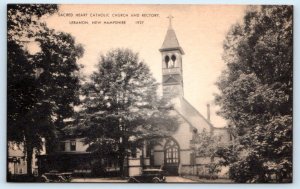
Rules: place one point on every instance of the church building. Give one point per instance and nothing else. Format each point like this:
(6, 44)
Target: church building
(176, 153)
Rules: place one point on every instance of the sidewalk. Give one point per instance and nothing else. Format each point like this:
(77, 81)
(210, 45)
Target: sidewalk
(100, 180)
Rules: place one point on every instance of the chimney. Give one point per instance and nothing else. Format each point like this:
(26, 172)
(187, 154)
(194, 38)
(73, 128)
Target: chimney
(208, 112)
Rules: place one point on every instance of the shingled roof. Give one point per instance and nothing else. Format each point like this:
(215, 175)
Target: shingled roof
(192, 116)
(171, 42)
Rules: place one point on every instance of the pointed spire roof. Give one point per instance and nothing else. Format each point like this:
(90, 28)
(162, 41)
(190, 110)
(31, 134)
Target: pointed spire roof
(171, 42)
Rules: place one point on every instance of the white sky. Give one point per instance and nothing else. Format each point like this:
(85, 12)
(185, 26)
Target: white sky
(200, 30)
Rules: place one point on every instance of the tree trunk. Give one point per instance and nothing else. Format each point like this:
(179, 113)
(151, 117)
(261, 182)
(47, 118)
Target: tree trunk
(122, 155)
(29, 152)
(121, 160)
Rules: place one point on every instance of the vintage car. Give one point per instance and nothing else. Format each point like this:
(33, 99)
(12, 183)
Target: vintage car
(55, 176)
(149, 176)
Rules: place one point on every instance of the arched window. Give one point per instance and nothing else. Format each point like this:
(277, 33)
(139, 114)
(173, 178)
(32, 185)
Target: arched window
(173, 58)
(167, 59)
(171, 152)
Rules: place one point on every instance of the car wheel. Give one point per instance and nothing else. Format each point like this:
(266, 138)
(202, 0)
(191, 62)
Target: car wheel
(155, 180)
(131, 180)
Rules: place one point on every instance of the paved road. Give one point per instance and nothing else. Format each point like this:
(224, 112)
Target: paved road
(171, 179)
(178, 179)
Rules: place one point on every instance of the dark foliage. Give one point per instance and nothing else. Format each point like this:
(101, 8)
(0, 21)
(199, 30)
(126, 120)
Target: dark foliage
(42, 77)
(256, 95)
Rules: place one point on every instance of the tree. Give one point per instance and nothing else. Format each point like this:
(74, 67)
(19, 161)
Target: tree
(256, 94)
(208, 145)
(22, 24)
(121, 106)
(58, 80)
(42, 86)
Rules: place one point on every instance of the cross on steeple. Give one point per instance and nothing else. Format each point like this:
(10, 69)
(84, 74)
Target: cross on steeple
(170, 17)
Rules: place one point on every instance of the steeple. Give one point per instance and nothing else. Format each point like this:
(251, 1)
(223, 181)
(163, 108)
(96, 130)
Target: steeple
(171, 42)
(171, 52)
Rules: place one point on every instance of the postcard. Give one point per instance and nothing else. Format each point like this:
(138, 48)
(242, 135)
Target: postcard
(156, 93)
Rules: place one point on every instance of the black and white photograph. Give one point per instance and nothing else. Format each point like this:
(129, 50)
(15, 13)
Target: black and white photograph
(149, 93)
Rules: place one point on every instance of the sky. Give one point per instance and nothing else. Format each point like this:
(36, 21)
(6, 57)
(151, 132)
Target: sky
(200, 30)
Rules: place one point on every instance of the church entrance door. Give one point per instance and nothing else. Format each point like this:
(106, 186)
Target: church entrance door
(172, 158)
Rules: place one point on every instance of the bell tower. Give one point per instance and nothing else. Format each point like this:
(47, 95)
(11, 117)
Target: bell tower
(171, 53)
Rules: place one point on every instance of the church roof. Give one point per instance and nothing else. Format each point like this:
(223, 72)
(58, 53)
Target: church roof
(171, 41)
(192, 116)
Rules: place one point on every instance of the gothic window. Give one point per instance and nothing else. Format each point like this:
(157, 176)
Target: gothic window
(171, 152)
(195, 137)
(167, 59)
(173, 58)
